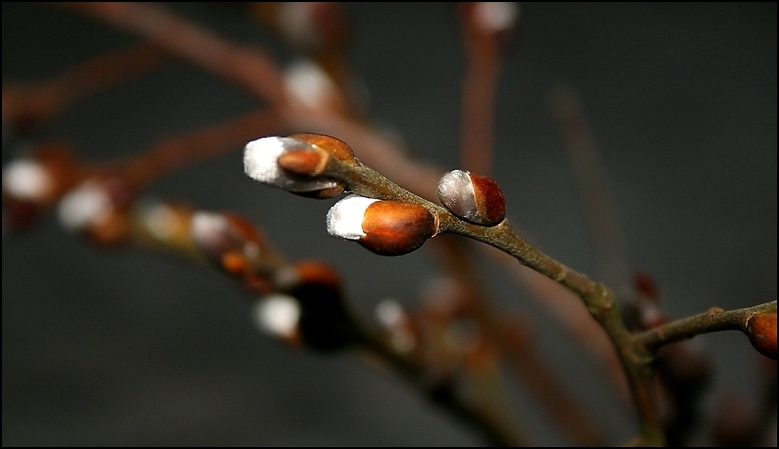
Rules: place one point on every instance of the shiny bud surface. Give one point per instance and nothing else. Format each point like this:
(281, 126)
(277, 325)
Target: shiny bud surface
(761, 330)
(388, 228)
(260, 163)
(474, 198)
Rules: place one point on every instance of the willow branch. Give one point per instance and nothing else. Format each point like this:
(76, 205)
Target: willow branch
(30, 104)
(714, 320)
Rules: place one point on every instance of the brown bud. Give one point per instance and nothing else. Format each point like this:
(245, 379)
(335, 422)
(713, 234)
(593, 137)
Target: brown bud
(337, 148)
(474, 198)
(761, 330)
(227, 239)
(265, 160)
(393, 228)
(98, 209)
(32, 185)
(302, 162)
(388, 228)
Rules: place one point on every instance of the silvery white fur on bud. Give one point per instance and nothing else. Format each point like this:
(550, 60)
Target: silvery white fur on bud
(277, 315)
(26, 179)
(474, 198)
(344, 219)
(260, 163)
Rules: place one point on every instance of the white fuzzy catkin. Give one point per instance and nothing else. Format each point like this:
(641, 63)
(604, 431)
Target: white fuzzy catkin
(455, 190)
(260, 163)
(344, 219)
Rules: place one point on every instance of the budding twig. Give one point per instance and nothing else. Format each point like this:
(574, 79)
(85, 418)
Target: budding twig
(714, 320)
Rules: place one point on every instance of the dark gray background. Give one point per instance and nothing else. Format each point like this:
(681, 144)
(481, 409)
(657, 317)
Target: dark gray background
(135, 348)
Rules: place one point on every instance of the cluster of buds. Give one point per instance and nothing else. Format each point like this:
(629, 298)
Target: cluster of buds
(299, 164)
(33, 184)
(307, 308)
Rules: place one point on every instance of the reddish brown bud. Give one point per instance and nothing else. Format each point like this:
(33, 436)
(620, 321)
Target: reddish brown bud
(389, 228)
(228, 239)
(266, 160)
(475, 198)
(337, 148)
(31, 185)
(393, 228)
(761, 330)
(302, 162)
(98, 209)
(309, 163)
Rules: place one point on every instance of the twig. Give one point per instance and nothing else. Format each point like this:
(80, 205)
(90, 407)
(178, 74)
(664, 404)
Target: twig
(714, 320)
(29, 105)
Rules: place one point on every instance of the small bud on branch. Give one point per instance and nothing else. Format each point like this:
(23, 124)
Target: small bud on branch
(475, 198)
(389, 228)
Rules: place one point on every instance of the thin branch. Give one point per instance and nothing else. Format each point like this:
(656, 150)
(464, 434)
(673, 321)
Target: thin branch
(249, 68)
(714, 320)
(27, 105)
(598, 299)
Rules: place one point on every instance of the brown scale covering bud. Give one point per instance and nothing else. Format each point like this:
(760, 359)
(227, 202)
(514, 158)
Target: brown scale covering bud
(388, 228)
(474, 198)
(761, 330)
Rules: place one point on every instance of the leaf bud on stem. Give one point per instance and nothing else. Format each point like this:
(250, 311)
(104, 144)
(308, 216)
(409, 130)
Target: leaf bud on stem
(474, 198)
(308, 308)
(388, 228)
(293, 163)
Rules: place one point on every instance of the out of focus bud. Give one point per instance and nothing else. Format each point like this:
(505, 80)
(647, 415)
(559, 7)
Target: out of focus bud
(388, 228)
(488, 25)
(278, 315)
(311, 293)
(308, 85)
(474, 198)
(235, 246)
(33, 184)
(400, 326)
(761, 330)
(98, 209)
